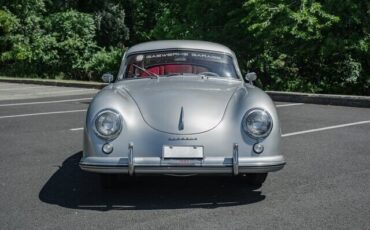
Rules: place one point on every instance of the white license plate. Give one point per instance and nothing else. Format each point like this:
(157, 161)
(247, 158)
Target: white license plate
(182, 151)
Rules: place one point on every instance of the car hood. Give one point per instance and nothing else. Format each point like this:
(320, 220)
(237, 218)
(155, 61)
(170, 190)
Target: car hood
(181, 104)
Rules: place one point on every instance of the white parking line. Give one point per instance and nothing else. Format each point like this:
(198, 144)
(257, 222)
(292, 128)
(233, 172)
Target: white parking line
(325, 128)
(46, 113)
(45, 102)
(300, 132)
(286, 105)
(77, 129)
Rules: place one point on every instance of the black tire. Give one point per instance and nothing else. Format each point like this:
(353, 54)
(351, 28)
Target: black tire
(109, 181)
(255, 179)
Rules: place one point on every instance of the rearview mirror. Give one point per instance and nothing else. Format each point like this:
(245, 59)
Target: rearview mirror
(252, 76)
(107, 78)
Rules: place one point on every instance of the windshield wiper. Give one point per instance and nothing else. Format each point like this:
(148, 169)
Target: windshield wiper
(146, 71)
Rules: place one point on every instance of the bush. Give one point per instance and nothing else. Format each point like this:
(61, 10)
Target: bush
(75, 42)
(102, 62)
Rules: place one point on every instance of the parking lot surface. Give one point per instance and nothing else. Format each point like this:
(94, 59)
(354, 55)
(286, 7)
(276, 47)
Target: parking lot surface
(325, 184)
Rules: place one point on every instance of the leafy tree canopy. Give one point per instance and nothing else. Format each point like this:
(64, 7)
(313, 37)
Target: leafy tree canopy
(304, 45)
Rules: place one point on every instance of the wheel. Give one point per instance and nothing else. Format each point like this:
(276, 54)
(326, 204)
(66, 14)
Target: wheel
(255, 179)
(109, 181)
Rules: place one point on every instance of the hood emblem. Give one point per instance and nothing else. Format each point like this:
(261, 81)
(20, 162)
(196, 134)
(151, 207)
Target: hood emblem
(181, 119)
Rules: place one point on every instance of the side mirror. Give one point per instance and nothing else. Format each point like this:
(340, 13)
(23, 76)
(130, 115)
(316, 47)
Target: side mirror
(107, 78)
(252, 76)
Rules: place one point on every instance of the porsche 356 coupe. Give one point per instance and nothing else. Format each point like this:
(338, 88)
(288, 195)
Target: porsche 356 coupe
(181, 108)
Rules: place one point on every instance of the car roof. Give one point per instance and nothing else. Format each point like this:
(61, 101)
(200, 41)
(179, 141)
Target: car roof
(179, 44)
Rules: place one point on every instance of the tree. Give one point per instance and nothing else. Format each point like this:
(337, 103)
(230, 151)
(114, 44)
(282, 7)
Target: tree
(304, 45)
(111, 28)
(74, 33)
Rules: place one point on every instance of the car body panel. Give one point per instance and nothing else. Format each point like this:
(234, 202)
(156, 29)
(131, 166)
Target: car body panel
(162, 102)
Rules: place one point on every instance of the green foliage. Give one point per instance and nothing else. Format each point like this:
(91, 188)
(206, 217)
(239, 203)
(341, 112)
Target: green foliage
(8, 22)
(304, 45)
(111, 28)
(142, 19)
(74, 33)
(104, 61)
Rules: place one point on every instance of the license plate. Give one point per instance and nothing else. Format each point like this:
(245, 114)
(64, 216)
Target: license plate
(182, 151)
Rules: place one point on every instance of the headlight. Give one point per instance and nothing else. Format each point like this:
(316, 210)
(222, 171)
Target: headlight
(257, 123)
(108, 124)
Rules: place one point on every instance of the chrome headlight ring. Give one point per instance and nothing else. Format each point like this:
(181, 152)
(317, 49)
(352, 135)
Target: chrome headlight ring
(108, 124)
(257, 123)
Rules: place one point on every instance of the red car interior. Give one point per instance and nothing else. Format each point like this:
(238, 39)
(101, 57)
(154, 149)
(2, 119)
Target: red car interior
(174, 68)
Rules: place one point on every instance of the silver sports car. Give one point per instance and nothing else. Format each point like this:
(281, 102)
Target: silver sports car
(181, 108)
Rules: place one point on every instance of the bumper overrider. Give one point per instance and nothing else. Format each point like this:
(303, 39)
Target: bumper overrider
(158, 165)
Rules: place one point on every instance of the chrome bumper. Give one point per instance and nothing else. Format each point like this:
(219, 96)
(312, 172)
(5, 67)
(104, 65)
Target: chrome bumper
(222, 170)
(209, 165)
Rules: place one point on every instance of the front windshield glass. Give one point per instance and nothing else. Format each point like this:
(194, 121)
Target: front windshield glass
(179, 62)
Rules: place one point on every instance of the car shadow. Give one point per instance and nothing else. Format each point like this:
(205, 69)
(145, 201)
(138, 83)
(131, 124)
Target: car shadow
(73, 188)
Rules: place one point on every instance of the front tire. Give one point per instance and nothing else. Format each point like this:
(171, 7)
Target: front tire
(255, 179)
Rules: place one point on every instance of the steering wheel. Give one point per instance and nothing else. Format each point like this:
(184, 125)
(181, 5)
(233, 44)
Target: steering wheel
(209, 73)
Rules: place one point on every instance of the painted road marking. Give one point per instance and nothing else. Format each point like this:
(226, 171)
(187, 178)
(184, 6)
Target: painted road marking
(286, 105)
(83, 99)
(300, 132)
(325, 128)
(46, 113)
(76, 129)
(45, 102)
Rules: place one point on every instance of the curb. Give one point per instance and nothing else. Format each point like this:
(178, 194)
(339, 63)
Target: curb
(310, 98)
(323, 99)
(79, 84)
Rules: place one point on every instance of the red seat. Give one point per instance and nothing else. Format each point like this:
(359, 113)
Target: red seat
(168, 69)
(174, 68)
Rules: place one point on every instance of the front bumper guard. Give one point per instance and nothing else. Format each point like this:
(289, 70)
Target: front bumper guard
(236, 160)
(131, 159)
(131, 166)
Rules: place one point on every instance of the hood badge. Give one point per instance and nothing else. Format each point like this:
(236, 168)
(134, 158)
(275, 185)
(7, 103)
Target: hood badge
(181, 119)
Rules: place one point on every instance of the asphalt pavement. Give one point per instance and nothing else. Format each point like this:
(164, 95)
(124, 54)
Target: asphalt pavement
(325, 184)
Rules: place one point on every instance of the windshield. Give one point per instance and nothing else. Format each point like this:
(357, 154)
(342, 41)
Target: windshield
(179, 62)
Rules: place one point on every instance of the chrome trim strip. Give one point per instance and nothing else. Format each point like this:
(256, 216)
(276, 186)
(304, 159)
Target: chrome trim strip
(181, 119)
(217, 170)
(206, 161)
